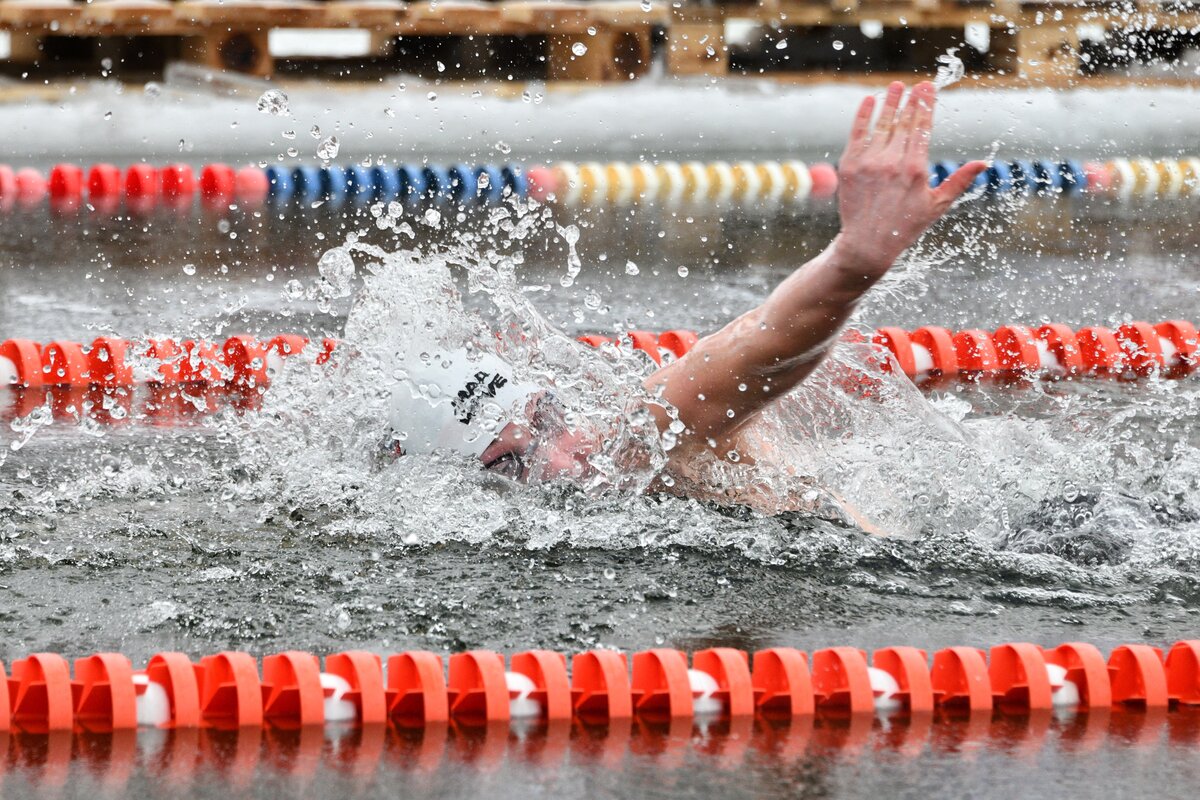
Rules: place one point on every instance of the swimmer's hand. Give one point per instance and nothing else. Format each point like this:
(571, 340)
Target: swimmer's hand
(884, 197)
(885, 204)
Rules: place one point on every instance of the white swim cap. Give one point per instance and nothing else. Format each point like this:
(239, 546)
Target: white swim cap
(456, 401)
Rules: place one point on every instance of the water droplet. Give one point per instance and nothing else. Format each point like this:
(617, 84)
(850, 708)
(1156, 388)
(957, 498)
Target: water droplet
(838, 44)
(579, 49)
(189, 269)
(782, 44)
(108, 115)
(293, 289)
(152, 90)
(273, 102)
(328, 149)
(683, 271)
(441, 67)
(343, 620)
(432, 96)
(289, 134)
(631, 268)
(337, 268)
(609, 574)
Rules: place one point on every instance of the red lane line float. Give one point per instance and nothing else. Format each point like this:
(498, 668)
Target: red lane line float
(64, 364)
(8, 182)
(937, 349)
(730, 669)
(1141, 346)
(1136, 349)
(1100, 351)
(1084, 667)
(40, 695)
(782, 682)
(1138, 676)
(960, 679)
(251, 186)
(103, 181)
(177, 679)
(660, 684)
(824, 180)
(1183, 672)
(66, 182)
(31, 187)
(1016, 350)
(218, 183)
(678, 343)
(477, 687)
(292, 692)
(975, 352)
(899, 344)
(177, 182)
(417, 690)
(909, 668)
(841, 680)
(231, 694)
(600, 685)
(225, 690)
(1019, 676)
(141, 182)
(547, 671)
(104, 693)
(543, 182)
(363, 674)
(1061, 342)
(21, 363)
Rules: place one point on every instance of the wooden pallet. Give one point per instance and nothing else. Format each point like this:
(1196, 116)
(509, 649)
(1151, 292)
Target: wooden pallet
(1032, 40)
(591, 41)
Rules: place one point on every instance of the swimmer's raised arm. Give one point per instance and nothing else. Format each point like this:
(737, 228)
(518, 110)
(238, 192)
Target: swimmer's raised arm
(885, 204)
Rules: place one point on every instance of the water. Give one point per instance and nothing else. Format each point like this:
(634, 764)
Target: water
(1044, 513)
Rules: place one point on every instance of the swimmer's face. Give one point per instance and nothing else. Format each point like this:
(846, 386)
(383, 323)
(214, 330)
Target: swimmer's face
(542, 449)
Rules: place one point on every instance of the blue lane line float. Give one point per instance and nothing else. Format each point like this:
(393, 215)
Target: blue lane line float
(999, 178)
(1049, 178)
(279, 184)
(1024, 176)
(515, 180)
(940, 171)
(334, 184)
(360, 184)
(437, 183)
(462, 184)
(1074, 179)
(388, 185)
(414, 185)
(981, 183)
(308, 184)
(489, 191)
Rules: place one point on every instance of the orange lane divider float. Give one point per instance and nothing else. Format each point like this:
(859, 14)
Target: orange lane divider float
(230, 690)
(1132, 350)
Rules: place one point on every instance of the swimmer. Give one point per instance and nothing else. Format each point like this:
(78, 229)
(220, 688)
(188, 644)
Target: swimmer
(885, 203)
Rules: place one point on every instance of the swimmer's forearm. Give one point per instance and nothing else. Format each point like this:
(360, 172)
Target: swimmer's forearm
(885, 203)
(729, 376)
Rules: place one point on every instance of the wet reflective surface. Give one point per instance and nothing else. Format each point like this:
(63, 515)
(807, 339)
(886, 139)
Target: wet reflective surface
(1040, 756)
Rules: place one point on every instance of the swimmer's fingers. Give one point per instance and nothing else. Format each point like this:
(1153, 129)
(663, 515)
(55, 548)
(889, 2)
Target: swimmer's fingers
(861, 128)
(924, 99)
(906, 132)
(959, 181)
(887, 116)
